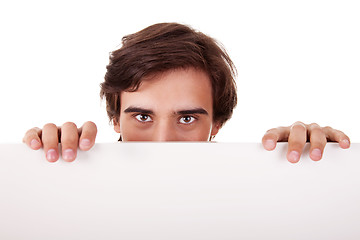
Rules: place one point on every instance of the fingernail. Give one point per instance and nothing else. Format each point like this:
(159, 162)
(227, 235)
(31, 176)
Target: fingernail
(294, 156)
(68, 155)
(316, 154)
(85, 143)
(345, 143)
(52, 155)
(269, 144)
(35, 144)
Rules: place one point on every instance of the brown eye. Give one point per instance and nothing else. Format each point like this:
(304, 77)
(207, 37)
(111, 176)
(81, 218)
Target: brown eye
(143, 118)
(187, 119)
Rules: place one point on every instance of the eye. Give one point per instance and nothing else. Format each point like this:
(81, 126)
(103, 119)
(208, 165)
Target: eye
(143, 118)
(187, 119)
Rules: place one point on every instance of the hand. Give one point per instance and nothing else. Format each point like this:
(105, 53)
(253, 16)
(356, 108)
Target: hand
(298, 134)
(68, 135)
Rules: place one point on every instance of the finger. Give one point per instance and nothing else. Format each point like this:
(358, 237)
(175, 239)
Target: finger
(50, 141)
(317, 140)
(32, 138)
(87, 135)
(69, 141)
(273, 136)
(297, 140)
(334, 135)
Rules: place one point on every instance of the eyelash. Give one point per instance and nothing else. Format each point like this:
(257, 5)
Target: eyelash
(138, 118)
(193, 119)
(149, 119)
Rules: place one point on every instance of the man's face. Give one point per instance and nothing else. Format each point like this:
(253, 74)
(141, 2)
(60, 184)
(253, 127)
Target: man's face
(171, 106)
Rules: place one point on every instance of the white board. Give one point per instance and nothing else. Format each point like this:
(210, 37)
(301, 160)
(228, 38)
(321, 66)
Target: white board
(179, 191)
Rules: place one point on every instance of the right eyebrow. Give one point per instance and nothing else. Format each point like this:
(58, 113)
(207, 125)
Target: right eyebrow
(138, 110)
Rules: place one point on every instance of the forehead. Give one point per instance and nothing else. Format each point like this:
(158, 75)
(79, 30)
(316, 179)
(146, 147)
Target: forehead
(174, 89)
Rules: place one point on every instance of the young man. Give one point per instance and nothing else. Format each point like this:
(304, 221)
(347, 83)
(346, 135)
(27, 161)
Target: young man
(169, 82)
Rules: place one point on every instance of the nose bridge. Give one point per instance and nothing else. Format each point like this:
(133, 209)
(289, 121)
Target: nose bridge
(164, 131)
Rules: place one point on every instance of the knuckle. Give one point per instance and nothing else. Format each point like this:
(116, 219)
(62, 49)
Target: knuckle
(69, 125)
(89, 129)
(91, 125)
(269, 136)
(298, 127)
(328, 128)
(299, 123)
(340, 135)
(49, 126)
(69, 139)
(297, 145)
(314, 126)
(321, 141)
(272, 131)
(30, 132)
(317, 132)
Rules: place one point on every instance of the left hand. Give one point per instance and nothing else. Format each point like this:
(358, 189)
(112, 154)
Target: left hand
(298, 134)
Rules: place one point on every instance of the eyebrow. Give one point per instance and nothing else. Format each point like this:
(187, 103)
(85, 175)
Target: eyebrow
(138, 110)
(181, 112)
(193, 111)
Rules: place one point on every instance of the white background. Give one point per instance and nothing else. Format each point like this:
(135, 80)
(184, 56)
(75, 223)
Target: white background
(296, 60)
(182, 191)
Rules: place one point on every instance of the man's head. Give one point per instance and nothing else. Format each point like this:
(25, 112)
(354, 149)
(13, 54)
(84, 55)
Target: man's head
(173, 65)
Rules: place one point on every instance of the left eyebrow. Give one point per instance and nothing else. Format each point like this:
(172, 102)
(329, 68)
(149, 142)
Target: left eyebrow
(192, 111)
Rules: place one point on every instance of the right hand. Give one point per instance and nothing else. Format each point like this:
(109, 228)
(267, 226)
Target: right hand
(68, 135)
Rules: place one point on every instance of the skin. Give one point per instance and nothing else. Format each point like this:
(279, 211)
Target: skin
(298, 134)
(174, 106)
(181, 113)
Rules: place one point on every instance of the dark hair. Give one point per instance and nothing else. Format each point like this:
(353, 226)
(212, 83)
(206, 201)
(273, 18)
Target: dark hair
(166, 46)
